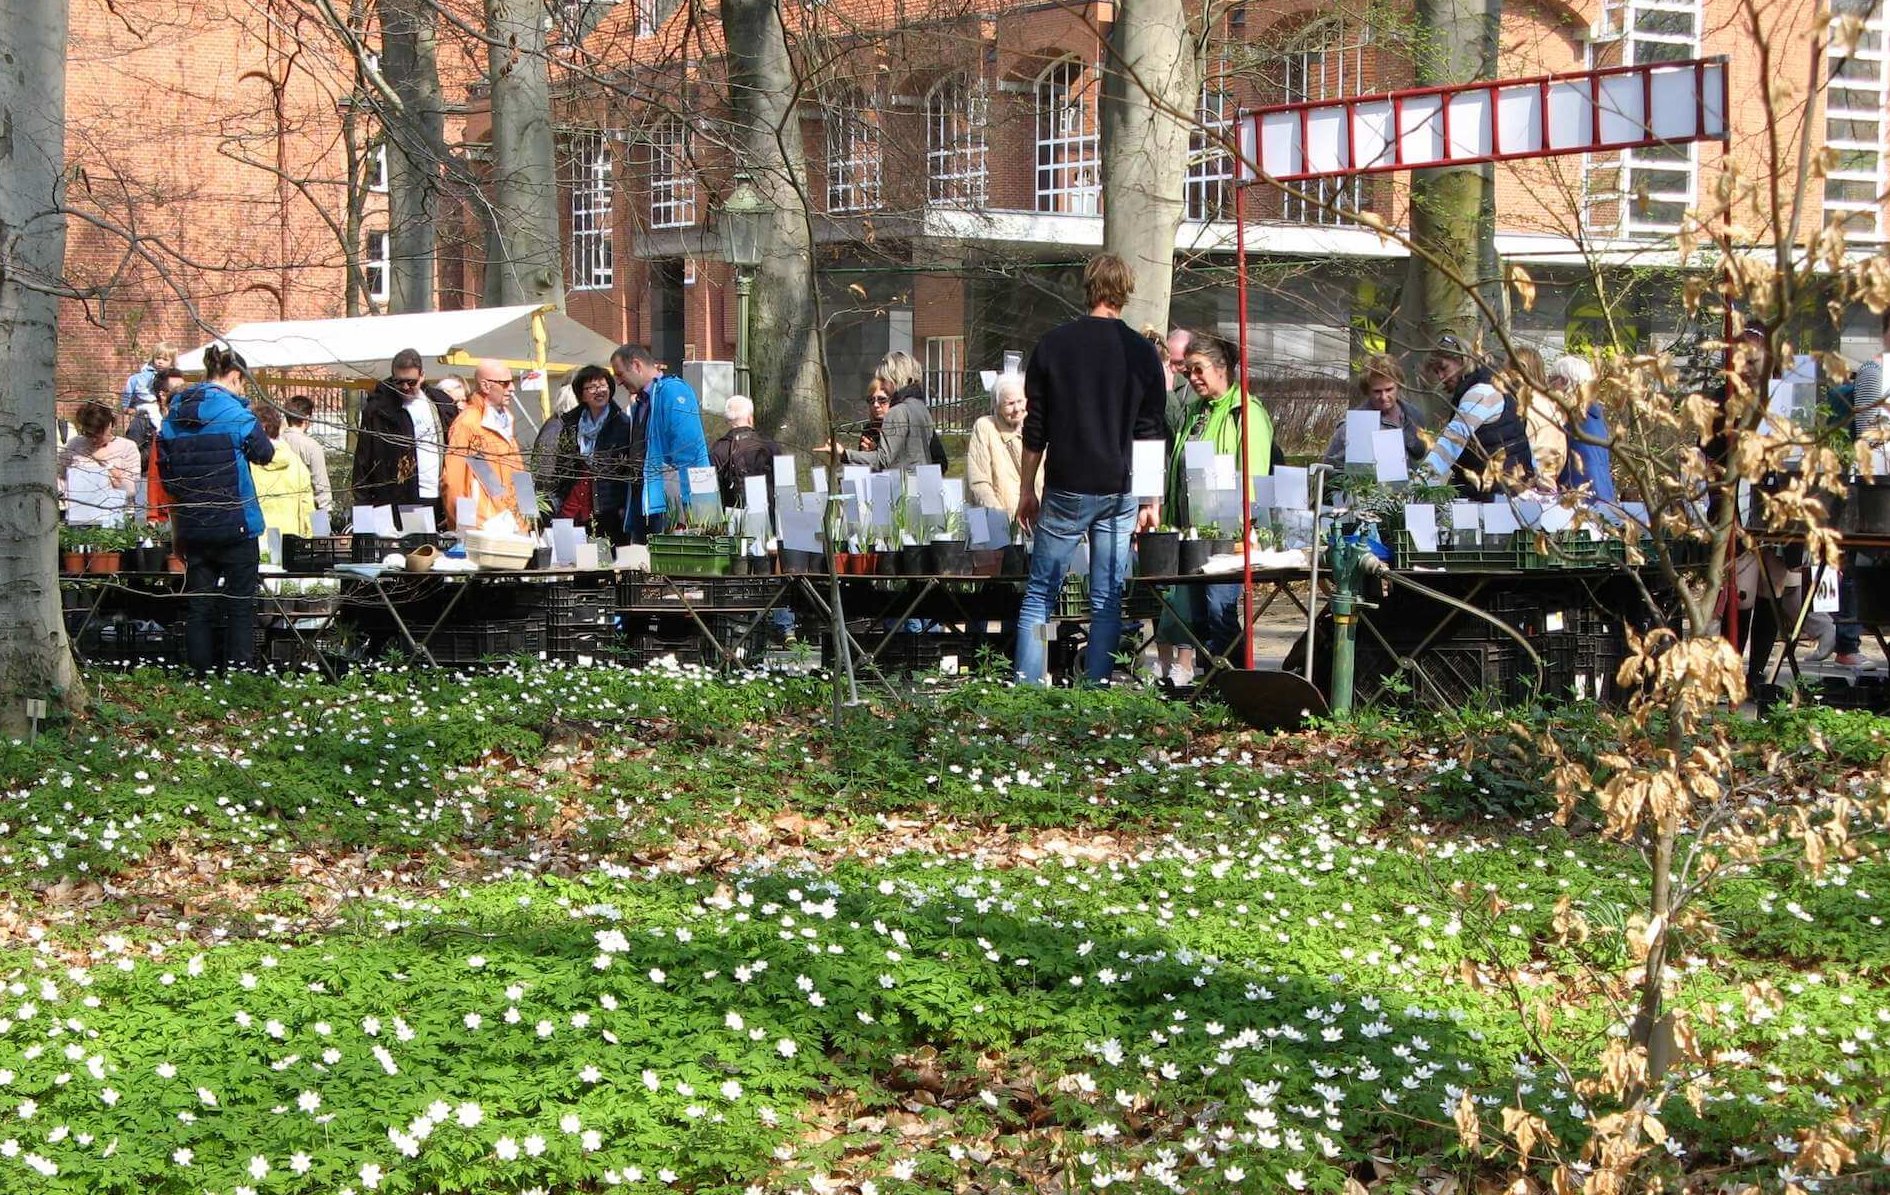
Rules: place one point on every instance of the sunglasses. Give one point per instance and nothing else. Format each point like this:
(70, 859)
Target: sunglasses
(507, 383)
(407, 383)
(1195, 371)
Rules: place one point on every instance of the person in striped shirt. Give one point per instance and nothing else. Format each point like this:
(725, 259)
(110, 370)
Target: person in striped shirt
(1485, 446)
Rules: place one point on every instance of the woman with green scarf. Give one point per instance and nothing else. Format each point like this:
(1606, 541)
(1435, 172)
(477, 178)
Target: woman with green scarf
(1213, 415)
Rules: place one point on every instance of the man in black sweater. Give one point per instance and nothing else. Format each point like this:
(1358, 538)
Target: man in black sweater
(1094, 386)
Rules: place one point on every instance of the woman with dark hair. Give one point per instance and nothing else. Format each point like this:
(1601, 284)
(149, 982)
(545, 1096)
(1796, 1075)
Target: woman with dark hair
(97, 446)
(591, 467)
(1215, 415)
(205, 448)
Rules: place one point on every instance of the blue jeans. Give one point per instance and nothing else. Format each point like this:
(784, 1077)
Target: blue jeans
(1064, 520)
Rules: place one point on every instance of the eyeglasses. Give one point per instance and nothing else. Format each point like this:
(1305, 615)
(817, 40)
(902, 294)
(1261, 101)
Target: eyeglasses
(1196, 370)
(505, 383)
(880, 400)
(407, 383)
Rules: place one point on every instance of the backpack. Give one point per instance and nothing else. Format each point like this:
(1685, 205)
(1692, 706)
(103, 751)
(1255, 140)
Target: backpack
(937, 450)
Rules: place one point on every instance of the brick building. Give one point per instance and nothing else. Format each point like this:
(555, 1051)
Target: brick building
(954, 160)
(223, 174)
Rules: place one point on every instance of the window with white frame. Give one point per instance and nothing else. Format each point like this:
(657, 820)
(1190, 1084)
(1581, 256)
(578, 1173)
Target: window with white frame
(1069, 146)
(1857, 95)
(377, 262)
(592, 184)
(955, 115)
(944, 370)
(1646, 190)
(672, 182)
(1326, 63)
(853, 160)
(377, 169)
(1208, 191)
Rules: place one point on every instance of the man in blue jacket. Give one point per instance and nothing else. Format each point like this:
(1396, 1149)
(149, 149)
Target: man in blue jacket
(665, 435)
(205, 448)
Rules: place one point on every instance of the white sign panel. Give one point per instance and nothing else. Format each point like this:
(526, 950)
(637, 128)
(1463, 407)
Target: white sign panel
(1585, 112)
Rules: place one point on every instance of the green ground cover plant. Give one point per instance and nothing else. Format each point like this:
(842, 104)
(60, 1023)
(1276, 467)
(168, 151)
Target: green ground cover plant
(571, 930)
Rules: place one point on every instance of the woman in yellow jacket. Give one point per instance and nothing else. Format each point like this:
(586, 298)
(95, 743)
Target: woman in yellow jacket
(284, 488)
(482, 456)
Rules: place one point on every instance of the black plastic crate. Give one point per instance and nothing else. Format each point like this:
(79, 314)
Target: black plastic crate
(739, 593)
(477, 642)
(908, 652)
(317, 554)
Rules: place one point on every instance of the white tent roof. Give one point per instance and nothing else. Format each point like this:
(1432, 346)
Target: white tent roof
(363, 345)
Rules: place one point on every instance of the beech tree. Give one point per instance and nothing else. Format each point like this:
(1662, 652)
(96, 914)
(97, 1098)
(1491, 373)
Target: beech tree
(1153, 75)
(523, 264)
(35, 661)
(764, 97)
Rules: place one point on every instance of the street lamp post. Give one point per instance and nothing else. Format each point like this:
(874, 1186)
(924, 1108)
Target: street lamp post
(745, 216)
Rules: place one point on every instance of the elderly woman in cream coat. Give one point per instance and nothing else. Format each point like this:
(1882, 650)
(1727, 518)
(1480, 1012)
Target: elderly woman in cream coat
(994, 462)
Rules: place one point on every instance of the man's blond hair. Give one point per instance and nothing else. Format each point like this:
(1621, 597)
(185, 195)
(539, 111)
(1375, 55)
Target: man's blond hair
(1107, 281)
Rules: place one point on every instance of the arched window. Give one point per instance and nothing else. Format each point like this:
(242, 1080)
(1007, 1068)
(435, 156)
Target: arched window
(1327, 62)
(955, 116)
(592, 188)
(853, 159)
(1208, 194)
(672, 182)
(1069, 147)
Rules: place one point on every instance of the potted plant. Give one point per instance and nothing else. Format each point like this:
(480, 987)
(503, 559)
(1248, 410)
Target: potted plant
(1158, 552)
(94, 550)
(1016, 559)
(947, 555)
(1194, 551)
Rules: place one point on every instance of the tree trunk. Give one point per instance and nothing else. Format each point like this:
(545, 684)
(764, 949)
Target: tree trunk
(523, 265)
(1457, 44)
(35, 660)
(785, 376)
(1153, 71)
(415, 137)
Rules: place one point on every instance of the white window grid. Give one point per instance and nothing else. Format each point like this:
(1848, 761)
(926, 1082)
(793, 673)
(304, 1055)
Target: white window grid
(1649, 188)
(1069, 145)
(1207, 193)
(672, 182)
(853, 157)
(956, 114)
(1328, 65)
(1857, 96)
(944, 370)
(377, 169)
(592, 186)
(377, 261)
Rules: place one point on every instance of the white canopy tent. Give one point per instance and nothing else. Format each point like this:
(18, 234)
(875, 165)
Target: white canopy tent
(363, 345)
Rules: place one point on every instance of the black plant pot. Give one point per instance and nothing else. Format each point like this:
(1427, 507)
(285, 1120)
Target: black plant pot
(155, 559)
(912, 560)
(1157, 553)
(798, 562)
(1016, 561)
(1868, 511)
(886, 563)
(948, 558)
(1221, 547)
(738, 567)
(1193, 554)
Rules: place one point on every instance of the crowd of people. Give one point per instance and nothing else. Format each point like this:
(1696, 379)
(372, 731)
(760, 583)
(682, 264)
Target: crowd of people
(1053, 455)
